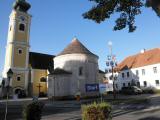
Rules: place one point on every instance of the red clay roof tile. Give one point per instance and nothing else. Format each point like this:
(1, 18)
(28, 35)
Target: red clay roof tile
(149, 57)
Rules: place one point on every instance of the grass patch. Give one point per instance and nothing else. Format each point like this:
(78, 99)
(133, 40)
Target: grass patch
(96, 111)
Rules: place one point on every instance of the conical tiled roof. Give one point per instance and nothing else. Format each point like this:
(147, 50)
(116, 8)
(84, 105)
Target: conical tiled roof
(76, 47)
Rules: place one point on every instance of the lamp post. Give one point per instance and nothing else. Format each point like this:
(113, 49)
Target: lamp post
(9, 76)
(54, 87)
(111, 63)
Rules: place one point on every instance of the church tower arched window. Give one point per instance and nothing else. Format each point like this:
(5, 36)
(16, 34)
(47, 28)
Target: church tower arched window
(21, 27)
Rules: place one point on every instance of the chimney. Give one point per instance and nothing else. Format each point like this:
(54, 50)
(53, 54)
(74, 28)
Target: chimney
(143, 51)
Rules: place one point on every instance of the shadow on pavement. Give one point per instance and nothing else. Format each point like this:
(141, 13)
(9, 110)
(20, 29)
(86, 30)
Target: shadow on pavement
(122, 112)
(73, 118)
(150, 118)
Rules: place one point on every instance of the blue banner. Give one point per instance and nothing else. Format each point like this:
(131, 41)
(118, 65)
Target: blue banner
(92, 87)
(102, 88)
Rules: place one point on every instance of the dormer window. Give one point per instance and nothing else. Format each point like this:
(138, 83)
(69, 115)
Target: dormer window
(22, 27)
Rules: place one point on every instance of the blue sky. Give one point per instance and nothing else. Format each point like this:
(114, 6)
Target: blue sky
(56, 22)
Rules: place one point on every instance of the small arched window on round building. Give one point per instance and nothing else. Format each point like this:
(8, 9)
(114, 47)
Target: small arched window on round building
(80, 71)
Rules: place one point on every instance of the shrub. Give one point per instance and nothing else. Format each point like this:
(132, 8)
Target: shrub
(33, 111)
(96, 111)
(157, 91)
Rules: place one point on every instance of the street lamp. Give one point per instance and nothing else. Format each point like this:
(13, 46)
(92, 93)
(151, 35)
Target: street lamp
(9, 76)
(54, 78)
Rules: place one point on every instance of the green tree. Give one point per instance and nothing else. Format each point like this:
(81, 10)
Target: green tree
(127, 10)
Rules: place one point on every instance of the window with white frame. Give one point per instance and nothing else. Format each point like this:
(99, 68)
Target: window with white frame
(137, 72)
(145, 83)
(155, 69)
(122, 75)
(157, 82)
(127, 74)
(129, 84)
(143, 71)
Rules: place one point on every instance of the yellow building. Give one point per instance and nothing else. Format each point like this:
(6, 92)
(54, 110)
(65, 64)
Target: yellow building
(40, 66)
(30, 69)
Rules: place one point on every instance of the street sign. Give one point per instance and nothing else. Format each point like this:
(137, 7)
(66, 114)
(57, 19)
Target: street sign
(109, 87)
(92, 87)
(102, 88)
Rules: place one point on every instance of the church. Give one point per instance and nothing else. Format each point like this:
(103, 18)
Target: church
(74, 68)
(65, 74)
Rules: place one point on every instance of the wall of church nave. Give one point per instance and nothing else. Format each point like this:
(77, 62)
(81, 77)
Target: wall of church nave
(39, 85)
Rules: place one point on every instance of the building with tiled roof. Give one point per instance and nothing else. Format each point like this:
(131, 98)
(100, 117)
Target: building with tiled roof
(76, 47)
(74, 68)
(146, 57)
(141, 69)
